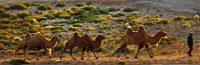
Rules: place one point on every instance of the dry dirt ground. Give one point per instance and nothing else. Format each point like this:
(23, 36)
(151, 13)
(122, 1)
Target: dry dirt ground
(165, 54)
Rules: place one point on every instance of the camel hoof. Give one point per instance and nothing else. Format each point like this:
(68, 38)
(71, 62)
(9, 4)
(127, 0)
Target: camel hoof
(37, 59)
(117, 56)
(29, 59)
(82, 58)
(151, 56)
(74, 58)
(136, 57)
(97, 58)
(127, 57)
(50, 57)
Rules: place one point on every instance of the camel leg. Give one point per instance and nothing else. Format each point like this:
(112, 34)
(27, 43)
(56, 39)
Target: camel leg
(37, 55)
(82, 54)
(121, 49)
(71, 53)
(62, 52)
(17, 51)
(140, 47)
(147, 47)
(94, 53)
(25, 56)
(124, 51)
(49, 53)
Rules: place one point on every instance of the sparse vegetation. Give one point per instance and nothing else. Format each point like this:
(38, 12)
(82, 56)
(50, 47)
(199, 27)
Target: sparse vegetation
(45, 7)
(60, 4)
(18, 62)
(18, 6)
(179, 18)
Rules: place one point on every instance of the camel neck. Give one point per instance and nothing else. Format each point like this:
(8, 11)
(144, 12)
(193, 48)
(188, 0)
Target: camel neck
(51, 43)
(154, 39)
(97, 43)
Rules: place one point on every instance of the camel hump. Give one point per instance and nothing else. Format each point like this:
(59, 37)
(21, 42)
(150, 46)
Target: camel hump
(75, 34)
(129, 31)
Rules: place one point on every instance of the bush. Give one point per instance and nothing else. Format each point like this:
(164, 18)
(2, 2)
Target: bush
(121, 63)
(18, 62)
(113, 9)
(18, 6)
(73, 21)
(165, 21)
(118, 14)
(2, 10)
(2, 46)
(7, 15)
(196, 16)
(90, 28)
(65, 16)
(88, 8)
(45, 7)
(179, 18)
(23, 14)
(79, 5)
(60, 4)
(71, 28)
(129, 10)
(149, 23)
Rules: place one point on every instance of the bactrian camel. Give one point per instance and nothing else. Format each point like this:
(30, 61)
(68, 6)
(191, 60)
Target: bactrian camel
(37, 42)
(140, 38)
(84, 42)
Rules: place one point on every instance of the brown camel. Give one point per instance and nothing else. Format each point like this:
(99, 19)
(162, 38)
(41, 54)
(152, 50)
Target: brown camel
(140, 38)
(37, 42)
(83, 42)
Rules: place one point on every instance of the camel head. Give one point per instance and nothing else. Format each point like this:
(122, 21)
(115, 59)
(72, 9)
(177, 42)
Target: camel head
(162, 34)
(101, 37)
(55, 38)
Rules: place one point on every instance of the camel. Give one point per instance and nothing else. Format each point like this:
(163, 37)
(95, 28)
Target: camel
(140, 38)
(83, 42)
(37, 42)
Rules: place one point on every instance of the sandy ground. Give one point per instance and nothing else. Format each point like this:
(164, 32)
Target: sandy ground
(174, 54)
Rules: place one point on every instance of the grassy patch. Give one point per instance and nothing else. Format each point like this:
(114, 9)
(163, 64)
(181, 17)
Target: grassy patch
(18, 6)
(121, 63)
(45, 7)
(18, 62)
(60, 4)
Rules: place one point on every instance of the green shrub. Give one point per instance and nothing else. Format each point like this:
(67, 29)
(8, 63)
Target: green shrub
(2, 46)
(135, 13)
(79, 5)
(23, 14)
(60, 4)
(179, 18)
(196, 17)
(38, 12)
(45, 7)
(2, 10)
(73, 21)
(50, 16)
(113, 9)
(7, 15)
(149, 23)
(165, 21)
(129, 10)
(31, 19)
(118, 14)
(121, 63)
(88, 8)
(65, 16)
(18, 62)
(71, 28)
(27, 4)
(18, 6)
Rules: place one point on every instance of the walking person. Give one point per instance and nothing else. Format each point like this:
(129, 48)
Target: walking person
(190, 44)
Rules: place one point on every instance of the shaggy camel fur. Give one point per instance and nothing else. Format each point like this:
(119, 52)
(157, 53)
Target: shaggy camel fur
(83, 42)
(140, 38)
(37, 42)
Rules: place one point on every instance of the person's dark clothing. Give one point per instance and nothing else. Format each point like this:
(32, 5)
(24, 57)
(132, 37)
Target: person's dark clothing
(190, 44)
